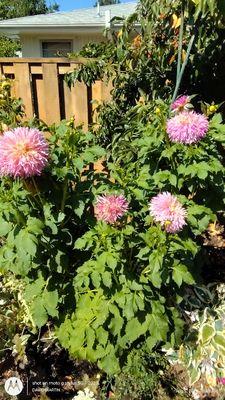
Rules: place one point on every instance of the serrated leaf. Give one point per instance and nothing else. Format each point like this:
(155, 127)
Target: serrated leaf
(102, 335)
(134, 329)
(5, 228)
(110, 363)
(117, 321)
(51, 301)
(96, 279)
(35, 225)
(107, 279)
(181, 274)
(158, 326)
(38, 312)
(80, 243)
(90, 337)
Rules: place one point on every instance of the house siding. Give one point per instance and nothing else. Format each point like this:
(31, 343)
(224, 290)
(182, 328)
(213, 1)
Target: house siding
(31, 45)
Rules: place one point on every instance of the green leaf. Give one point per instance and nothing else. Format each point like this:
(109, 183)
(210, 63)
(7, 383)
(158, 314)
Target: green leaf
(110, 363)
(107, 279)
(181, 274)
(206, 333)
(134, 329)
(38, 312)
(80, 243)
(102, 335)
(90, 337)
(158, 326)
(220, 342)
(79, 210)
(5, 227)
(35, 225)
(26, 241)
(151, 341)
(155, 264)
(51, 301)
(96, 279)
(117, 321)
(194, 375)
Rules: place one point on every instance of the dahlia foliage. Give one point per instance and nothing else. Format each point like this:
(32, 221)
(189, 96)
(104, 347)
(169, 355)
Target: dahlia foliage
(102, 250)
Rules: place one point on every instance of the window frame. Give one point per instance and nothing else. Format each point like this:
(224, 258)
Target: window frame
(70, 41)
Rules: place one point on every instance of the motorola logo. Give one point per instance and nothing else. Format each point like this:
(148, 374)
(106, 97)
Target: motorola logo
(13, 386)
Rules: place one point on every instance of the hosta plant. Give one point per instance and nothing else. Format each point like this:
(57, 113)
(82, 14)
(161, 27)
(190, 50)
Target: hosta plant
(203, 351)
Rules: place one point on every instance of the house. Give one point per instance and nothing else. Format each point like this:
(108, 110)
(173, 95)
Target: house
(63, 32)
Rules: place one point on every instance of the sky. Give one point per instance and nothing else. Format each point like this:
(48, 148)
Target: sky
(66, 5)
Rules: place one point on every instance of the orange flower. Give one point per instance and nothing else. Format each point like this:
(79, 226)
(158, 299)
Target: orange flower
(137, 41)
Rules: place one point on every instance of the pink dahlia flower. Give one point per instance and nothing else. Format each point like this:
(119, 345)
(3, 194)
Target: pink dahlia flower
(110, 208)
(180, 103)
(168, 211)
(187, 127)
(23, 152)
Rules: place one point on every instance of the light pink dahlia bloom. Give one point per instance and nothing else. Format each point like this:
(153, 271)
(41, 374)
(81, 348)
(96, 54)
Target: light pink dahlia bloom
(180, 103)
(110, 208)
(187, 127)
(23, 152)
(168, 211)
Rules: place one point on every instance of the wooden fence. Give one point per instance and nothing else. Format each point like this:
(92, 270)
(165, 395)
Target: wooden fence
(40, 84)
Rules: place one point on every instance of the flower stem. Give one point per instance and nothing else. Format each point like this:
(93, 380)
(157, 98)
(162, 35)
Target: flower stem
(37, 191)
(64, 194)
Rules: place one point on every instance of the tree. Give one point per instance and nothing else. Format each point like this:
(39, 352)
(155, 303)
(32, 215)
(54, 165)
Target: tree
(22, 8)
(106, 2)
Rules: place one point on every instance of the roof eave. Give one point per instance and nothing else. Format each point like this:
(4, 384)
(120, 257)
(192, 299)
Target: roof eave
(17, 30)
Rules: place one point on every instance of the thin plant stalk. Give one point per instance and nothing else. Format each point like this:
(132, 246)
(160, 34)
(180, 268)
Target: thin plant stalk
(181, 34)
(63, 203)
(190, 45)
(37, 191)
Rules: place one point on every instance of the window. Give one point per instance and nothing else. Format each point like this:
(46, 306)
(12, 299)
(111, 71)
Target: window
(58, 48)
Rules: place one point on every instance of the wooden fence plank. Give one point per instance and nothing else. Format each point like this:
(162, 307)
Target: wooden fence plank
(79, 102)
(39, 82)
(23, 87)
(51, 93)
(68, 101)
(40, 97)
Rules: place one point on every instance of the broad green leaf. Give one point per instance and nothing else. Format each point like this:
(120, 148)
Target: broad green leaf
(206, 333)
(38, 312)
(51, 301)
(107, 279)
(181, 274)
(110, 363)
(5, 227)
(102, 335)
